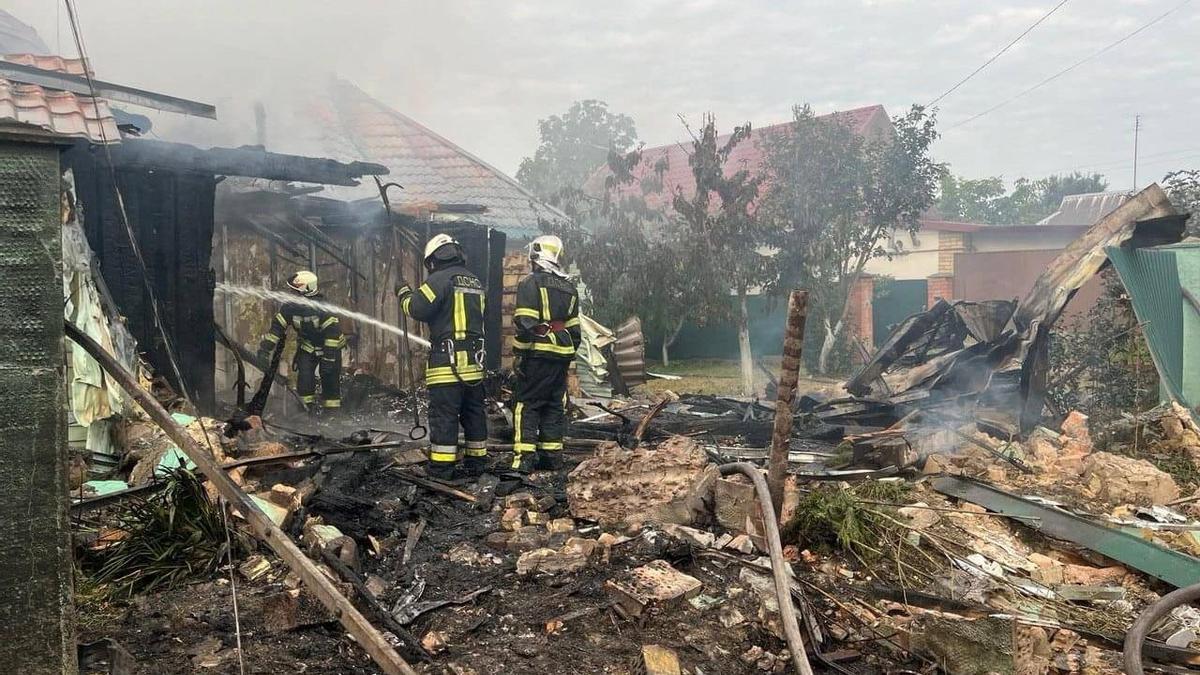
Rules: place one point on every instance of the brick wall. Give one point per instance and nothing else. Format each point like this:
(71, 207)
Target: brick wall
(516, 266)
(949, 244)
(860, 317)
(940, 286)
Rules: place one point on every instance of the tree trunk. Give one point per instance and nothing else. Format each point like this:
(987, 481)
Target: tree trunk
(747, 358)
(831, 336)
(668, 341)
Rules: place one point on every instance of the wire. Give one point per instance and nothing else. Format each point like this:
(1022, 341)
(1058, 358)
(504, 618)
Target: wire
(997, 54)
(77, 33)
(237, 621)
(1071, 67)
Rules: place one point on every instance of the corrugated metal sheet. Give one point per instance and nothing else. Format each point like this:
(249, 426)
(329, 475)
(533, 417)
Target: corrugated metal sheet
(630, 352)
(1171, 326)
(56, 111)
(1085, 209)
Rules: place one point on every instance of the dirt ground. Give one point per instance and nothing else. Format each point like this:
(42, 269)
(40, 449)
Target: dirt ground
(723, 377)
(191, 629)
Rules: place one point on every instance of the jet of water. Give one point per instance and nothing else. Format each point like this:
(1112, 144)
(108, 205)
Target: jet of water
(266, 294)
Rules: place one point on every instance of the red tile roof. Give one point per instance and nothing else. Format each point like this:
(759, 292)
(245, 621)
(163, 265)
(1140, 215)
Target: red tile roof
(56, 111)
(433, 170)
(748, 154)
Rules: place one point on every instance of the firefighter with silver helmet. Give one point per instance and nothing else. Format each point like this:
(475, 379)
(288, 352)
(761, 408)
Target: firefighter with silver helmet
(548, 333)
(452, 302)
(319, 343)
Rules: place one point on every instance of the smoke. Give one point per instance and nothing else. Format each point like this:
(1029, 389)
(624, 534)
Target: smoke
(266, 294)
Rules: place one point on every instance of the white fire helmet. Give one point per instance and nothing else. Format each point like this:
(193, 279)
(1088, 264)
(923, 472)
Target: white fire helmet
(437, 242)
(544, 253)
(304, 283)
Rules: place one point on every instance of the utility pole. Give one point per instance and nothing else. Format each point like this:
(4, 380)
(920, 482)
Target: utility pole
(1137, 126)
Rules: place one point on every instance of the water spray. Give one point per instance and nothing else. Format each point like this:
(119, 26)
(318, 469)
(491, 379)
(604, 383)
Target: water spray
(280, 296)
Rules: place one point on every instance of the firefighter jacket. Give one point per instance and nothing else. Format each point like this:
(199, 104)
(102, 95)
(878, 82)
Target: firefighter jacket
(546, 317)
(451, 302)
(317, 331)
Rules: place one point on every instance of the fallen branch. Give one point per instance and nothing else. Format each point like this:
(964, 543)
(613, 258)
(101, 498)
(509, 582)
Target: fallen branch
(266, 531)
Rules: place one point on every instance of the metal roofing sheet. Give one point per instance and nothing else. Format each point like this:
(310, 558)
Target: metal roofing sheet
(56, 111)
(1157, 279)
(1085, 209)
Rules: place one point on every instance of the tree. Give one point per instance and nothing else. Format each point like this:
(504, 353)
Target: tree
(833, 197)
(985, 200)
(626, 252)
(722, 237)
(1183, 187)
(572, 146)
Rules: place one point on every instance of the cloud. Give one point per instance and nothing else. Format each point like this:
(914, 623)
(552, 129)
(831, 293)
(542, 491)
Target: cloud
(482, 73)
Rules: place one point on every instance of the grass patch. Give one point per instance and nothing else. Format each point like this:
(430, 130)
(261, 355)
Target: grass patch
(830, 518)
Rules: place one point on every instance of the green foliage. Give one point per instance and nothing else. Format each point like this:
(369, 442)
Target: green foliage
(720, 236)
(572, 146)
(833, 197)
(1100, 365)
(1183, 187)
(626, 252)
(985, 200)
(833, 518)
(170, 537)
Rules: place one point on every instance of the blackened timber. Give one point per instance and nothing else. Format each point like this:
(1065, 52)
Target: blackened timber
(142, 153)
(266, 531)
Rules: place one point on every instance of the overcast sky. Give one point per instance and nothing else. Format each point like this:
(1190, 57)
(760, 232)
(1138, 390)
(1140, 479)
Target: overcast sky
(482, 72)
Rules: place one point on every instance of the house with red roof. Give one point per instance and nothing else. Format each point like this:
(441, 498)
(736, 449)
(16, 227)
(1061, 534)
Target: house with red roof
(945, 258)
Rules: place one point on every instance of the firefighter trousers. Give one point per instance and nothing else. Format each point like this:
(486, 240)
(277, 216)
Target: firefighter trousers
(327, 364)
(452, 406)
(540, 411)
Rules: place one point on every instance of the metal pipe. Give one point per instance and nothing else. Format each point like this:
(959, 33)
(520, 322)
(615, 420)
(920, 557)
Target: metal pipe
(1146, 620)
(783, 585)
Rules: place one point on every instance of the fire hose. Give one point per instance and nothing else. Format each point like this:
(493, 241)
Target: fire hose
(1146, 620)
(779, 568)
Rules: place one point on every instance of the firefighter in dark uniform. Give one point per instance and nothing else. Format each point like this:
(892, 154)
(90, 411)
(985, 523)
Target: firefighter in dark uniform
(547, 323)
(451, 302)
(319, 343)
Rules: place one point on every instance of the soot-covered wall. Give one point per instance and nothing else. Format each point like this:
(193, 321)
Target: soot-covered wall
(171, 214)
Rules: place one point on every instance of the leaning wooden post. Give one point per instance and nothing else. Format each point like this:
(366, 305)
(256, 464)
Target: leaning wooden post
(315, 581)
(789, 372)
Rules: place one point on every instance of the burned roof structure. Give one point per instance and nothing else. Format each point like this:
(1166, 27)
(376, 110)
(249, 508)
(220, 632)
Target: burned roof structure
(989, 360)
(342, 121)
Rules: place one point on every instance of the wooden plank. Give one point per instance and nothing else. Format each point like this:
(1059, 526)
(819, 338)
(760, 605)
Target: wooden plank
(321, 586)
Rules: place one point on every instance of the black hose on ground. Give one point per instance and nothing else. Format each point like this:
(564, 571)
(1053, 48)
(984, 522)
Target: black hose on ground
(1146, 620)
(783, 585)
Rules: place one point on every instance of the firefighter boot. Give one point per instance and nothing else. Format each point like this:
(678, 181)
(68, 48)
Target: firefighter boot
(473, 465)
(523, 462)
(547, 460)
(443, 471)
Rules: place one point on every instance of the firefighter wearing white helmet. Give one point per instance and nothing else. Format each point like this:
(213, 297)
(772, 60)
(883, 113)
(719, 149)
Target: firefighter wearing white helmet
(548, 331)
(318, 347)
(451, 302)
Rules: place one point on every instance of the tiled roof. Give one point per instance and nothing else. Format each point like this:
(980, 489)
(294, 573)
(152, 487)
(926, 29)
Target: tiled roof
(748, 154)
(432, 169)
(1085, 209)
(56, 111)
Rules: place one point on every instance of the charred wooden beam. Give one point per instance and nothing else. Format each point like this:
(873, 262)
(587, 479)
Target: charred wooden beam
(263, 528)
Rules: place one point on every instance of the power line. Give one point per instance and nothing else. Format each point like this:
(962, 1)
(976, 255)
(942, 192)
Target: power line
(1071, 67)
(997, 54)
